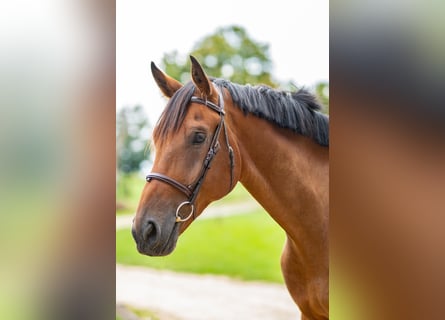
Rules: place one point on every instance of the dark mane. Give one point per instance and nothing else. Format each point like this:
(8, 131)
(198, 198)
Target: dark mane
(297, 111)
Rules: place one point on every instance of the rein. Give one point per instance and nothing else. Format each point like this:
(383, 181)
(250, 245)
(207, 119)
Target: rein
(191, 191)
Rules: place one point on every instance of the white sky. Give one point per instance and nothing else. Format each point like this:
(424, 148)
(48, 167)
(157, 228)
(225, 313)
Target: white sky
(297, 32)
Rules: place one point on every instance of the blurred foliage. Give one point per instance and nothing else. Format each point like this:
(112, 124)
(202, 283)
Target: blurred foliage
(132, 133)
(322, 93)
(128, 192)
(229, 53)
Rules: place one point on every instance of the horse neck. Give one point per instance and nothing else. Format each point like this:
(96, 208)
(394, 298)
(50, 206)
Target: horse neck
(285, 172)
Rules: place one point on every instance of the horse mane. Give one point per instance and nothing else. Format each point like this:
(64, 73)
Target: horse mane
(298, 111)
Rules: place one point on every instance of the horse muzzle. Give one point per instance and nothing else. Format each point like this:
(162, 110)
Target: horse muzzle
(155, 239)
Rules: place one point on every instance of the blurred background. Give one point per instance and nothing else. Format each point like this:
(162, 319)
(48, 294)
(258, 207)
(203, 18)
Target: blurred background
(234, 237)
(57, 159)
(58, 162)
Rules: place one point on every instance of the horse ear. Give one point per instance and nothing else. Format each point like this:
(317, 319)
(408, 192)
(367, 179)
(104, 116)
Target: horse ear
(167, 84)
(200, 79)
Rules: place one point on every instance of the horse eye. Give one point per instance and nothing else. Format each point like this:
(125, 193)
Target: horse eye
(198, 137)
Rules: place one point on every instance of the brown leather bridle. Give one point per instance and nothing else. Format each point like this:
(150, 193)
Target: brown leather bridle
(191, 191)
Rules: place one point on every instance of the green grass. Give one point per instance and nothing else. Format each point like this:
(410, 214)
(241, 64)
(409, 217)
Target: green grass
(246, 246)
(128, 190)
(238, 194)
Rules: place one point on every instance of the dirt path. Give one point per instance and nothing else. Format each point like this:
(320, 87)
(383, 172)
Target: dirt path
(179, 296)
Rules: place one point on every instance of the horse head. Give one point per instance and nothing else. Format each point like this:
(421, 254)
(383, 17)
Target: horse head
(194, 163)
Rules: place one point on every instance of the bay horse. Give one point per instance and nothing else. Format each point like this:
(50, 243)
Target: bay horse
(214, 133)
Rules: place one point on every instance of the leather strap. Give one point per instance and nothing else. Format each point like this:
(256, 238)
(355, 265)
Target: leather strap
(159, 176)
(211, 105)
(192, 191)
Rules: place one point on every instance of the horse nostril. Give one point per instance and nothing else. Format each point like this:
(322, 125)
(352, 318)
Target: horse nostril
(150, 230)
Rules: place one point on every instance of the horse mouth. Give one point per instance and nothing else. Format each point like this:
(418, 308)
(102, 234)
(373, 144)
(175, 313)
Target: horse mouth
(162, 247)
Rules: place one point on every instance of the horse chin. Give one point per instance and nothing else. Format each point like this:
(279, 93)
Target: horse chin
(169, 246)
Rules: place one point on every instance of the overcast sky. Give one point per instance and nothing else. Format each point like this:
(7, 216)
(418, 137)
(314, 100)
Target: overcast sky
(296, 31)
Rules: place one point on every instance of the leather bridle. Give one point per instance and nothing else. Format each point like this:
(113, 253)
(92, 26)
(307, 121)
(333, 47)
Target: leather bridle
(191, 191)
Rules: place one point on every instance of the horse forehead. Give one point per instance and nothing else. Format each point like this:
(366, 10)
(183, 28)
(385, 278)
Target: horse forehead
(199, 111)
(199, 116)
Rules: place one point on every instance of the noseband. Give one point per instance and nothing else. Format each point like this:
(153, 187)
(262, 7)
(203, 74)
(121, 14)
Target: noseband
(191, 191)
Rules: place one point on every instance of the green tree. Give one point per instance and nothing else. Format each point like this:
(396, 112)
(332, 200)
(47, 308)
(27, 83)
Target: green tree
(132, 132)
(320, 90)
(229, 53)
(322, 93)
